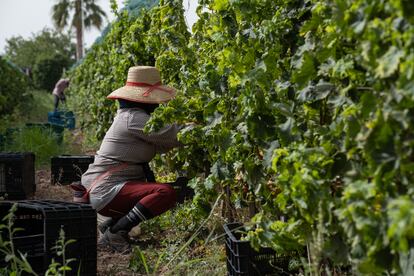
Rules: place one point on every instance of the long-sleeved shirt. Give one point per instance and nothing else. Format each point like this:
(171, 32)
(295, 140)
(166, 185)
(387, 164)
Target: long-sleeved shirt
(124, 146)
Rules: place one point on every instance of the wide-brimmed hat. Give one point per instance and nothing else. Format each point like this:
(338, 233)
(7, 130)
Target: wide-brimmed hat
(144, 85)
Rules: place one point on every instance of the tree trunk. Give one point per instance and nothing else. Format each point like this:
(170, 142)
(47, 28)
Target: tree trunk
(79, 30)
(79, 44)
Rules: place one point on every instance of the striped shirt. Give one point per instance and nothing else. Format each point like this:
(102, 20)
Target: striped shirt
(123, 147)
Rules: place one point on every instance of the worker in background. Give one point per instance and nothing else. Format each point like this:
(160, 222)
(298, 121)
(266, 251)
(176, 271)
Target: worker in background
(59, 92)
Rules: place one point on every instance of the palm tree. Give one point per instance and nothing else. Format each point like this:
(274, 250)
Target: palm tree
(86, 13)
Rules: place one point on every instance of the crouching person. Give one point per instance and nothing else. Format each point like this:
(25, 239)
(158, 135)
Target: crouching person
(119, 184)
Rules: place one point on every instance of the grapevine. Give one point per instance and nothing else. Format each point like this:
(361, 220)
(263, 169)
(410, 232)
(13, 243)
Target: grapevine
(303, 107)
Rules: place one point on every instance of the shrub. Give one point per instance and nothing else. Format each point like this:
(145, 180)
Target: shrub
(25, 53)
(13, 87)
(48, 70)
(131, 41)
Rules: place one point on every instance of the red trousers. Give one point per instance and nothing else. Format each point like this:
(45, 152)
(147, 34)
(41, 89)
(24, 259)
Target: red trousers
(156, 197)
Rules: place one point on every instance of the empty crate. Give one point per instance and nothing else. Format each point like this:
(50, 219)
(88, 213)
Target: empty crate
(17, 175)
(41, 221)
(242, 259)
(66, 169)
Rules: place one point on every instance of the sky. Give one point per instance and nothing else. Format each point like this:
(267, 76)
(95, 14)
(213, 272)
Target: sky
(26, 17)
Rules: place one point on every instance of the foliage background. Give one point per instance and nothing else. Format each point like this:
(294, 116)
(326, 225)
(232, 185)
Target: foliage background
(45, 55)
(303, 108)
(130, 41)
(13, 87)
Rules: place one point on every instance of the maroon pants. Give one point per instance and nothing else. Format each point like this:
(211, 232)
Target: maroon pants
(156, 197)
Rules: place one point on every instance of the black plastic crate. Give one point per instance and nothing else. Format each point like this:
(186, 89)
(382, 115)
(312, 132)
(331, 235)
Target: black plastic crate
(17, 175)
(66, 169)
(41, 221)
(242, 259)
(7, 137)
(2, 141)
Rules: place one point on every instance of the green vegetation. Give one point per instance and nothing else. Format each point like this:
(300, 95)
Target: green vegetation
(47, 71)
(25, 52)
(45, 55)
(13, 87)
(134, 7)
(190, 244)
(57, 268)
(302, 110)
(16, 261)
(77, 14)
(27, 130)
(130, 41)
(42, 141)
(33, 109)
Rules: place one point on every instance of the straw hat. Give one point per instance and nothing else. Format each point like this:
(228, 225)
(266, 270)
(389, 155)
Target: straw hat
(144, 86)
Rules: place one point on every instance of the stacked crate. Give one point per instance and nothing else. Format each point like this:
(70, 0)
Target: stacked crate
(17, 175)
(62, 118)
(41, 221)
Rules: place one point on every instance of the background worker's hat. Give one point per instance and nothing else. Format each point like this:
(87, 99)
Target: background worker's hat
(144, 86)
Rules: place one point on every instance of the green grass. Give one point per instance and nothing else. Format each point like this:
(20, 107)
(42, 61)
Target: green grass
(44, 142)
(180, 242)
(33, 110)
(36, 110)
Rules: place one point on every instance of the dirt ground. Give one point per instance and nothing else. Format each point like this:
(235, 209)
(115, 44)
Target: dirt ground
(108, 263)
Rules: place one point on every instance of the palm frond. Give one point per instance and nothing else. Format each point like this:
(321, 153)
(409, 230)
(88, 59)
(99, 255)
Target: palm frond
(93, 14)
(60, 13)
